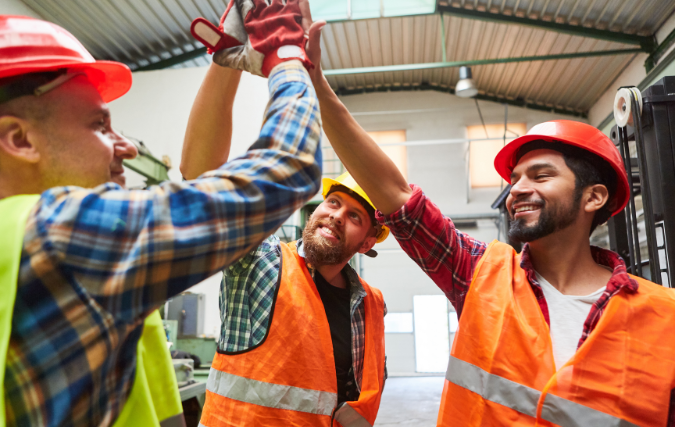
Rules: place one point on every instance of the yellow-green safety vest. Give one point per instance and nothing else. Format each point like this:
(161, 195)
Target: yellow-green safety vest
(154, 399)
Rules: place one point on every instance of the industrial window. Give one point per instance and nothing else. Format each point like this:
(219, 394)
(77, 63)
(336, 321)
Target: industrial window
(482, 154)
(387, 140)
(432, 333)
(398, 323)
(332, 10)
(390, 141)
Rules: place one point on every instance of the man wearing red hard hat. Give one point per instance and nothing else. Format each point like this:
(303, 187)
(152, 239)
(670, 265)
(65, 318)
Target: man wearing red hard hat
(559, 334)
(85, 263)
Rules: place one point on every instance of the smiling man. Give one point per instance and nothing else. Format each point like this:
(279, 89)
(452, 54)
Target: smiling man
(300, 322)
(559, 334)
(84, 262)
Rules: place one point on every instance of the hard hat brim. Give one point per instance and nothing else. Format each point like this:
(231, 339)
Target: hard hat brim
(111, 79)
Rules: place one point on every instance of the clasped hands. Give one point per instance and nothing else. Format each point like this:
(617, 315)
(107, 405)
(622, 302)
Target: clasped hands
(258, 35)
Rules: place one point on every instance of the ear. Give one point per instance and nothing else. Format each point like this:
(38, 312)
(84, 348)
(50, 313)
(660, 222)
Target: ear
(596, 197)
(367, 244)
(15, 141)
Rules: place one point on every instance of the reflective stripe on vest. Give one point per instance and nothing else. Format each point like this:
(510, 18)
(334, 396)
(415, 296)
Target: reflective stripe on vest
(348, 417)
(270, 395)
(290, 377)
(524, 399)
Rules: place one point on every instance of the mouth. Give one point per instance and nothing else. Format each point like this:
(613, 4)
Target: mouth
(523, 210)
(328, 233)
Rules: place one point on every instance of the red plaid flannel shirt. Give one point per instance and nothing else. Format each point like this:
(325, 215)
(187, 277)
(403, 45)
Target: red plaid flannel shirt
(449, 257)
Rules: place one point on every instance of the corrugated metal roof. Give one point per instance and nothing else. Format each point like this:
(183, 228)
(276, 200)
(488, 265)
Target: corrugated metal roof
(145, 32)
(628, 16)
(569, 83)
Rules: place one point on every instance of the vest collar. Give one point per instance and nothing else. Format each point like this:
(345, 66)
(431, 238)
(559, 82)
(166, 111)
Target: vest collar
(619, 280)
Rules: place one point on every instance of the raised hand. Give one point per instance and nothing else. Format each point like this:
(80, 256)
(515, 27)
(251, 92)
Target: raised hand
(255, 35)
(313, 35)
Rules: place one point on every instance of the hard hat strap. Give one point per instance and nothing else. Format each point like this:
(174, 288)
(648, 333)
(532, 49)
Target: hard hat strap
(33, 84)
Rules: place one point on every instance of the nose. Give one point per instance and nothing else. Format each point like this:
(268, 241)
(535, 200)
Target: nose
(124, 148)
(338, 216)
(521, 189)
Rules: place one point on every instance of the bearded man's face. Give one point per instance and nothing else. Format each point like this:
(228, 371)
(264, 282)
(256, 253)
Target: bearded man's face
(338, 229)
(543, 198)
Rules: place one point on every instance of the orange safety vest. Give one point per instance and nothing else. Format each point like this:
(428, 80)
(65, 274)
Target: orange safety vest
(502, 372)
(289, 379)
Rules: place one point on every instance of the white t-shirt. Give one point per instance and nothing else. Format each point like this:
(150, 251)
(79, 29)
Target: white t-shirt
(567, 314)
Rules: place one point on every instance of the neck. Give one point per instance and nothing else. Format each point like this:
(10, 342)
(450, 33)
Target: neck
(18, 184)
(333, 274)
(564, 259)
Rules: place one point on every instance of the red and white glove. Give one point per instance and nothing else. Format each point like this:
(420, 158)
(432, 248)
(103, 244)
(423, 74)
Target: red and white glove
(268, 35)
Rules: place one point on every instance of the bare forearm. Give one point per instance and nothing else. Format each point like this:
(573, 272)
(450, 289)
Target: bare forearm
(375, 172)
(209, 131)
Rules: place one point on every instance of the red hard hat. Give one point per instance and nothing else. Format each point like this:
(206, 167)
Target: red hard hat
(573, 133)
(29, 45)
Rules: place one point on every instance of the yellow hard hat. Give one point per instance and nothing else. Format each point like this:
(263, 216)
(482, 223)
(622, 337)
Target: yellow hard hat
(346, 180)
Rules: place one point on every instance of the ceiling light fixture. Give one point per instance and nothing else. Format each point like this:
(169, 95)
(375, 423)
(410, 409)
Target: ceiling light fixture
(465, 87)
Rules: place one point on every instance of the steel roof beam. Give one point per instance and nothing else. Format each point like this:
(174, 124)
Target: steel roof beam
(646, 43)
(659, 51)
(501, 100)
(452, 64)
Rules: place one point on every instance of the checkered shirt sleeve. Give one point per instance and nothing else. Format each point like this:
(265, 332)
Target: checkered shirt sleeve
(95, 262)
(448, 256)
(247, 297)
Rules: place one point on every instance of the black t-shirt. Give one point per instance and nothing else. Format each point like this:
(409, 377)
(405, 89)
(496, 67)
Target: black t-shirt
(336, 303)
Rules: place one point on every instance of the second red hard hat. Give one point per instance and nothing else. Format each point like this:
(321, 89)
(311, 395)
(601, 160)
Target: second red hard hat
(573, 133)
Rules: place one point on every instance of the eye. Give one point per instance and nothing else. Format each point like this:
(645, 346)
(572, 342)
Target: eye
(102, 125)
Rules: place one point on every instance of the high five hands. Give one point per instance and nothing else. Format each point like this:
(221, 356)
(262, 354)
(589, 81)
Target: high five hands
(257, 35)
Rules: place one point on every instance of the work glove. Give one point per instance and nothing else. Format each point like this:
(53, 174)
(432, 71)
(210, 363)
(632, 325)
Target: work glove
(255, 36)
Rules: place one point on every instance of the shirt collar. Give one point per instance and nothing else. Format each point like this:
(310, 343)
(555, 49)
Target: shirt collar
(355, 286)
(619, 280)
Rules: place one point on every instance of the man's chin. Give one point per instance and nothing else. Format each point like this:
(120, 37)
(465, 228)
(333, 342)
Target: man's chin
(120, 180)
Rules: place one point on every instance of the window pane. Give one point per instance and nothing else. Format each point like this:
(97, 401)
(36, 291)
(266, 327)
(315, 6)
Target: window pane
(330, 10)
(334, 10)
(397, 153)
(482, 153)
(432, 338)
(398, 323)
(408, 7)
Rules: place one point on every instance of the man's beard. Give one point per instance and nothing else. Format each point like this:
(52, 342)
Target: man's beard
(549, 221)
(319, 251)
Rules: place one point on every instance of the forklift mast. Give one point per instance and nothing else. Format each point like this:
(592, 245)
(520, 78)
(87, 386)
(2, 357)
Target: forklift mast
(644, 233)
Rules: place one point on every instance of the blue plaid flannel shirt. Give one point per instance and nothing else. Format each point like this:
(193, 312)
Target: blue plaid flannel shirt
(95, 262)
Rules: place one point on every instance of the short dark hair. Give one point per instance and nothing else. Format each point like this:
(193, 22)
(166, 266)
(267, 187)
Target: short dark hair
(588, 168)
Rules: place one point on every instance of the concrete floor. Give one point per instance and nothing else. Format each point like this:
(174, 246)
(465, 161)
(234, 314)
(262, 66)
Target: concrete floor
(410, 401)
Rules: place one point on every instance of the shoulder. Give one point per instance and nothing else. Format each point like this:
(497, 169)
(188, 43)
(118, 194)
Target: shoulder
(652, 290)
(267, 254)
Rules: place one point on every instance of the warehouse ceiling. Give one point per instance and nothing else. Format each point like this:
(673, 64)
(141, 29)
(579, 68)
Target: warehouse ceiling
(375, 45)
